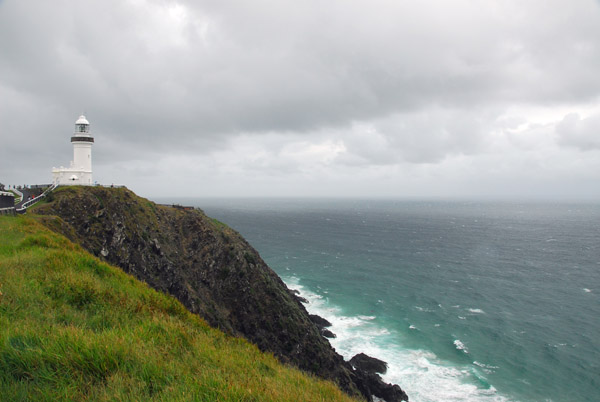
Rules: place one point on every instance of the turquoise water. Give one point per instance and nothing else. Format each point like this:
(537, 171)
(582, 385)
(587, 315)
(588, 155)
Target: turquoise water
(466, 301)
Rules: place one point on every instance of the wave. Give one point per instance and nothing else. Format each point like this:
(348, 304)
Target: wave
(483, 365)
(475, 311)
(423, 376)
(460, 346)
(487, 368)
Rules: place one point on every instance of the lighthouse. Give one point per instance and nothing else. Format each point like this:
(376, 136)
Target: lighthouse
(80, 171)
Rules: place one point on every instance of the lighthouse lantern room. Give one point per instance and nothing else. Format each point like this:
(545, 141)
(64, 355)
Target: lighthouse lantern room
(80, 171)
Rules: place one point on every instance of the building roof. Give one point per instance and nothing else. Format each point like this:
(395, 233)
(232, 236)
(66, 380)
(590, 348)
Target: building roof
(82, 120)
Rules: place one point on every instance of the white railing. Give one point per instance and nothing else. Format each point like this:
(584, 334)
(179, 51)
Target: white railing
(110, 185)
(20, 195)
(29, 203)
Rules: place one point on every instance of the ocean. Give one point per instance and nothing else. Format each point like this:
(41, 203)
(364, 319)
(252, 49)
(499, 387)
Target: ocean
(465, 301)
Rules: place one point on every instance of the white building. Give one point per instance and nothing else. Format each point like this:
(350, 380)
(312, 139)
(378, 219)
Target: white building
(80, 171)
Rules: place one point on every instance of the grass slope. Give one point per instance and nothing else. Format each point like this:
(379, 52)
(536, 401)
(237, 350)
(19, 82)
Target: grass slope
(75, 328)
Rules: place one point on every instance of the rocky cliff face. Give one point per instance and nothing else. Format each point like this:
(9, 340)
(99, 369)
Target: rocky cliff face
(209, 267)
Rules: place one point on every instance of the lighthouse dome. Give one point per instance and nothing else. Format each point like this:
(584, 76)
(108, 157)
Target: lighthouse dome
(82, 120)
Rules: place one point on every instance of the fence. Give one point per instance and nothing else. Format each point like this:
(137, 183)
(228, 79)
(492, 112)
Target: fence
(29, 203)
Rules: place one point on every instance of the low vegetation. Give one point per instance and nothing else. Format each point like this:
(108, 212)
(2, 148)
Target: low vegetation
(75, 328)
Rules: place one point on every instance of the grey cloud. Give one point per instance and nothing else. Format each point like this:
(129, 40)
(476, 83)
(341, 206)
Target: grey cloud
(260, 66)
(580, 133)
(165, 77)
(420, 137)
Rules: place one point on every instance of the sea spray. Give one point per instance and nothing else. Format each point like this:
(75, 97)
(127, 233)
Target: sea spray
(423, 376)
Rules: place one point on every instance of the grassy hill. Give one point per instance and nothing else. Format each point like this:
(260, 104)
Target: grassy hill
(75, 328)
(210, 268)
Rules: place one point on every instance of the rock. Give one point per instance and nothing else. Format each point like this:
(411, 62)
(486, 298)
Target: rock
(327, 333)
(391, 393)
(301, 299)
(372, 384)
(320, 321)
(387, 392)
(366, 369)
(368, 364)
(296, 295)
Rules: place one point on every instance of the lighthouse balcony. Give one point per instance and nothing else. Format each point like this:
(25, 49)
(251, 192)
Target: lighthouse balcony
(81, 138)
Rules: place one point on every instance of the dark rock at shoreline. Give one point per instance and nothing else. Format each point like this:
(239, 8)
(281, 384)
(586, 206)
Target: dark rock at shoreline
(295, 294)
(385, 391)
(368, 364)
(322, 324)
(367, 367)
(301, 299)
(320, 321)
(327, 333)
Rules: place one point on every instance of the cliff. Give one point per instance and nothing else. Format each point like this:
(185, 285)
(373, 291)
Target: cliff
(73, 328)
(207, 266)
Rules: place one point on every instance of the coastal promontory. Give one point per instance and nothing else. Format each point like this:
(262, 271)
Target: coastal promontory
(209, 268)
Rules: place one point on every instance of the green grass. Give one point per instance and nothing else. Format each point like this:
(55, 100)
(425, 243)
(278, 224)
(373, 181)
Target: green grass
(218, 224)
(73, 328)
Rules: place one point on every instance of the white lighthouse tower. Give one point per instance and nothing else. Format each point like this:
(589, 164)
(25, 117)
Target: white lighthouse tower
(80, 171)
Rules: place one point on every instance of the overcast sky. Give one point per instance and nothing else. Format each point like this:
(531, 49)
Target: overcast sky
(373, 98)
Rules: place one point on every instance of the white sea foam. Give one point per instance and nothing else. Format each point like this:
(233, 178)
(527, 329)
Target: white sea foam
(422, 375)
(486, 368)
(586, 290)
(483, 365)
(460, 346)
(412, 327)
(475, 311)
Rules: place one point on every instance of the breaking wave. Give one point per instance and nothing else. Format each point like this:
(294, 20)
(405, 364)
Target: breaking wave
(423, 376)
